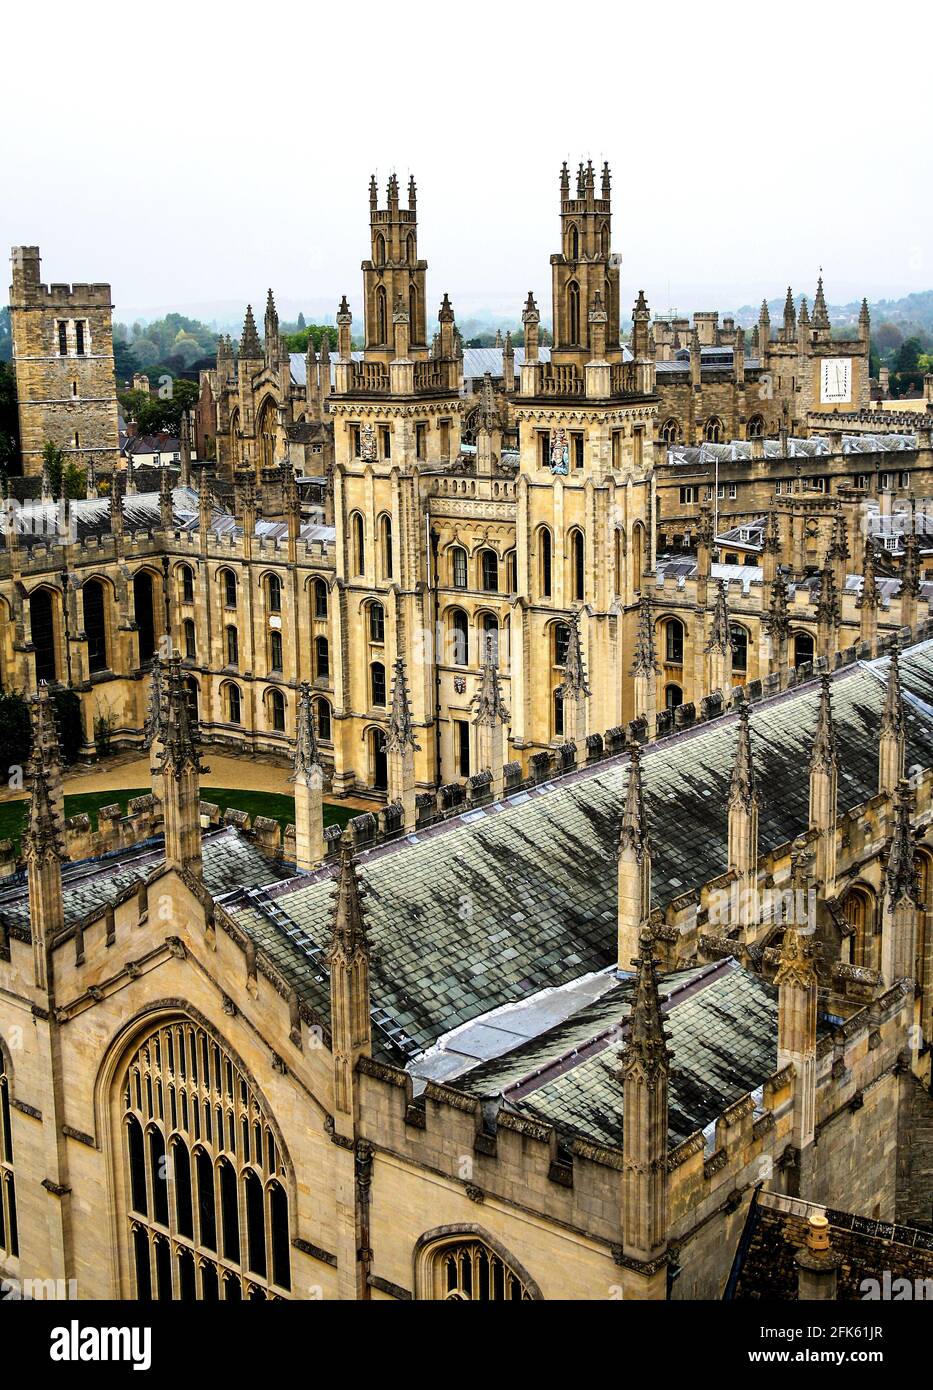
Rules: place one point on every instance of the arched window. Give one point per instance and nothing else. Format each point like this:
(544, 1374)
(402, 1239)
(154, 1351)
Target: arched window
(756, 427)
(233, 704)
(673, 696)
(187, 583)
(739, 638)
(489, 569)
(145, 613)
(196, 1136)
(561, 643)
(511, 572)
(9, 1229)
(377, 684)
(42, 625)
(674, 642)
(578, 561)
(358, 543)
(714, 430)
(412, 310)
(320, 599)
(460, 638)
(321, 658)
(604, 248)
(274, 590)
(490, 639)
(574, 242)
(410, 253)
(190, 641)
(379, 766)
(468, 1270)
(858, 907)
(558, 712)
(638, 554)
(322, 709)
(377, 623)
(803, 648)
(382, 316)
(380, 249)
(458, 567)
(670, 431)
(233, 646)
(277, 710)
(573, 311)
(385, 536)
(95, 625)
(275, 651)
(228, 582)
(544, 561)
(618, 581)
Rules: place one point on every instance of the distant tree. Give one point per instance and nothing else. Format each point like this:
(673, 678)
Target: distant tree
(74, 481)
(53, 466)
(10, 460)
(70, 723)
(301, 322)
(6, 335)
(163, 409)
(887, 338)
(15, 732)
(908, 356)
(298, 342)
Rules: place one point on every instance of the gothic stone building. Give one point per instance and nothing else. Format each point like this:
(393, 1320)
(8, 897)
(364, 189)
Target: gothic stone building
(440, 1067)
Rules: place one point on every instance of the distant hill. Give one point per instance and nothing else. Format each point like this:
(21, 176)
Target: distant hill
(912, 314)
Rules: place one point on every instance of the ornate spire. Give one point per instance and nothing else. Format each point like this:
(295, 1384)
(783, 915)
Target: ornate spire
(646, 1048)
(777, 622)
(771, 539)
(250, 349)
(892, 718)
(910, 566)
(827, 605)
(181, 750)
(43, 834)
(803, 319)
(870, 594)
(823, 755)
(820, 314)
(796, 967)
(348, 934)
(719, 637)
(400, 734)
(646, 662)
(490, 706)
(790, 313)
(901, 875)
(156, 721)
(839, 545)
(574, 686)
(742, 787)
(634, 832)
(271, 322)
(306, 757)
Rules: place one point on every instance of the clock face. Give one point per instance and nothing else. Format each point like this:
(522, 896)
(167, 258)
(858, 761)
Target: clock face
(836, 380)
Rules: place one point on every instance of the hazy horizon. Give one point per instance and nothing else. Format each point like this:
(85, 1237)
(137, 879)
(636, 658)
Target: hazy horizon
(211, 176)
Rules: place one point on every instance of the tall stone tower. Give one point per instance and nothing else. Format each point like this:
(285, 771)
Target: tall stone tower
(394, 279)
(584, 274)
(63, 357)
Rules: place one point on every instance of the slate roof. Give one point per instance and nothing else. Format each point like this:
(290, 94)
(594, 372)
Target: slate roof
(776, 1228)
(814, 446)
(503, 901)
(228, 859)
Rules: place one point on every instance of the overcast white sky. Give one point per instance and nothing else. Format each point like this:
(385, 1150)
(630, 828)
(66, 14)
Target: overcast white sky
(192, 160)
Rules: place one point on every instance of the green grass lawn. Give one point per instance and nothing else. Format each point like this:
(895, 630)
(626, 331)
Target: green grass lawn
(271, 804)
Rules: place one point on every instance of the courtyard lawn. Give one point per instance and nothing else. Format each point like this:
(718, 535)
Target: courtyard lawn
(271, 804)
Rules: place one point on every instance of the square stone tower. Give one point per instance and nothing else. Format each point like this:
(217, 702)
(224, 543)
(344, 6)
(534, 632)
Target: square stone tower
(63, 357)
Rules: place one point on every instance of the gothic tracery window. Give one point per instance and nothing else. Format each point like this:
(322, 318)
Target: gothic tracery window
(468, 1271)
(207, 1206)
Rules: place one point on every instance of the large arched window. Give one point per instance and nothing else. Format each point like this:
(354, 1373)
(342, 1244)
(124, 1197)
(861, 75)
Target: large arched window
(573, 242)
(489, 571)
(274, 592)
(377, 683)
(277, 711)
(756, 427)
(858, 907)
(674, 642)
(739, 639)
(573, 311)
(458, 567)
(320, 599)
(545, 554)
(206, 1196)
(714, 430)
(380, 249)
(145, 613)
(186, 575)
(578, 561)
(803, 648)
(322, 709)
(382, 316)
(670, 431)
(673, 696)
(9, 1230)
(469, 1269)
(95, 624)
(385, 538)
(358, 543)
(42, 622)
(459, 638)
(228, 587)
